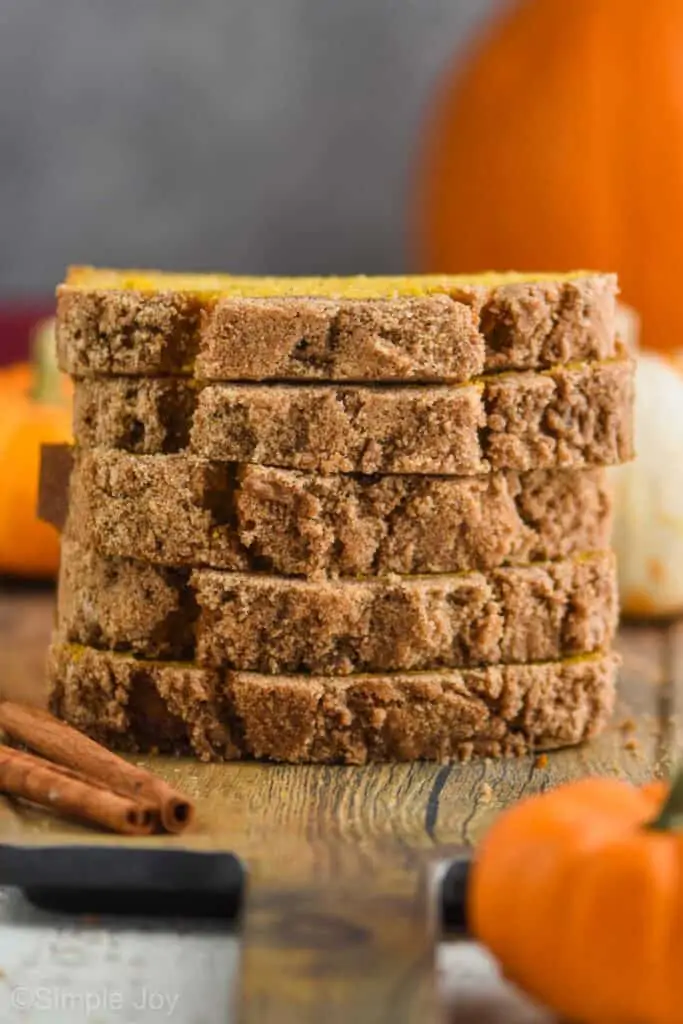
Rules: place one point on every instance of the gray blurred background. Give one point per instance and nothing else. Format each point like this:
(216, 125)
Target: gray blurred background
(246, 135)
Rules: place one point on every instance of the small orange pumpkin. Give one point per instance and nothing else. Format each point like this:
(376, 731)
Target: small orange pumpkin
(557, 142)
(36, 409)
(579, 893)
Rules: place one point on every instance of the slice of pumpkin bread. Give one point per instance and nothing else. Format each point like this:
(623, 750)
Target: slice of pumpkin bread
(180, 708)
(516, 614)
(181, 510)
(357, 328)
(272, 624)
(564, 418)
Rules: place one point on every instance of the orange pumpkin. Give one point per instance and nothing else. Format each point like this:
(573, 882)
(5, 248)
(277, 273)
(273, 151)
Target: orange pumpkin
(35, 410)
(579, 893)
(558, 143)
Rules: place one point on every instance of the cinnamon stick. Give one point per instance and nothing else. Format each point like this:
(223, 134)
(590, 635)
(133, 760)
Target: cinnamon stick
(59, 742)
(32, 778)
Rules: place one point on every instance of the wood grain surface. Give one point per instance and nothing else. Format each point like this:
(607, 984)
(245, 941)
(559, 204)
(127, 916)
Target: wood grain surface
(339, 923)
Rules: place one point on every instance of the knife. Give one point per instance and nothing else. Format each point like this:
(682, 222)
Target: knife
(169, 882)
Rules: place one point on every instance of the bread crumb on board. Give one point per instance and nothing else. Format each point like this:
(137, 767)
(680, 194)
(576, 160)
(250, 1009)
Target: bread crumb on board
(485, 793)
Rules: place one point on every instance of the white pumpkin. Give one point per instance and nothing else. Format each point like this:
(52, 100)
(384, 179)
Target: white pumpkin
(648, 494)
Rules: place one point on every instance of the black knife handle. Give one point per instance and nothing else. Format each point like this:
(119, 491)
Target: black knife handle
(454, 896)
(128, 880)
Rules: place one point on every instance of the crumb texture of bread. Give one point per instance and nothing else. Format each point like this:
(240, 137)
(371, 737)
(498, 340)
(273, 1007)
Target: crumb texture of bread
(180, 708)
(355, 329)
(270, 624)
(568, 417)
(517, 614)
(185, 511)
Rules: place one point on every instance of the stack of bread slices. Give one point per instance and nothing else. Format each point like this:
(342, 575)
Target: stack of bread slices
(342, 519)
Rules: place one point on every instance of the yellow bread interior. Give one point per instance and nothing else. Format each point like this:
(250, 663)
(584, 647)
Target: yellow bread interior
(359, 287)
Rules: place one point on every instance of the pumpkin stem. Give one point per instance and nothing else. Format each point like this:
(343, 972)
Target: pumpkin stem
(47, 379)
(670, 816)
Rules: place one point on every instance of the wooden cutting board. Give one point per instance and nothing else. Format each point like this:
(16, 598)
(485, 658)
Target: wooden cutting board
(339, 922)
